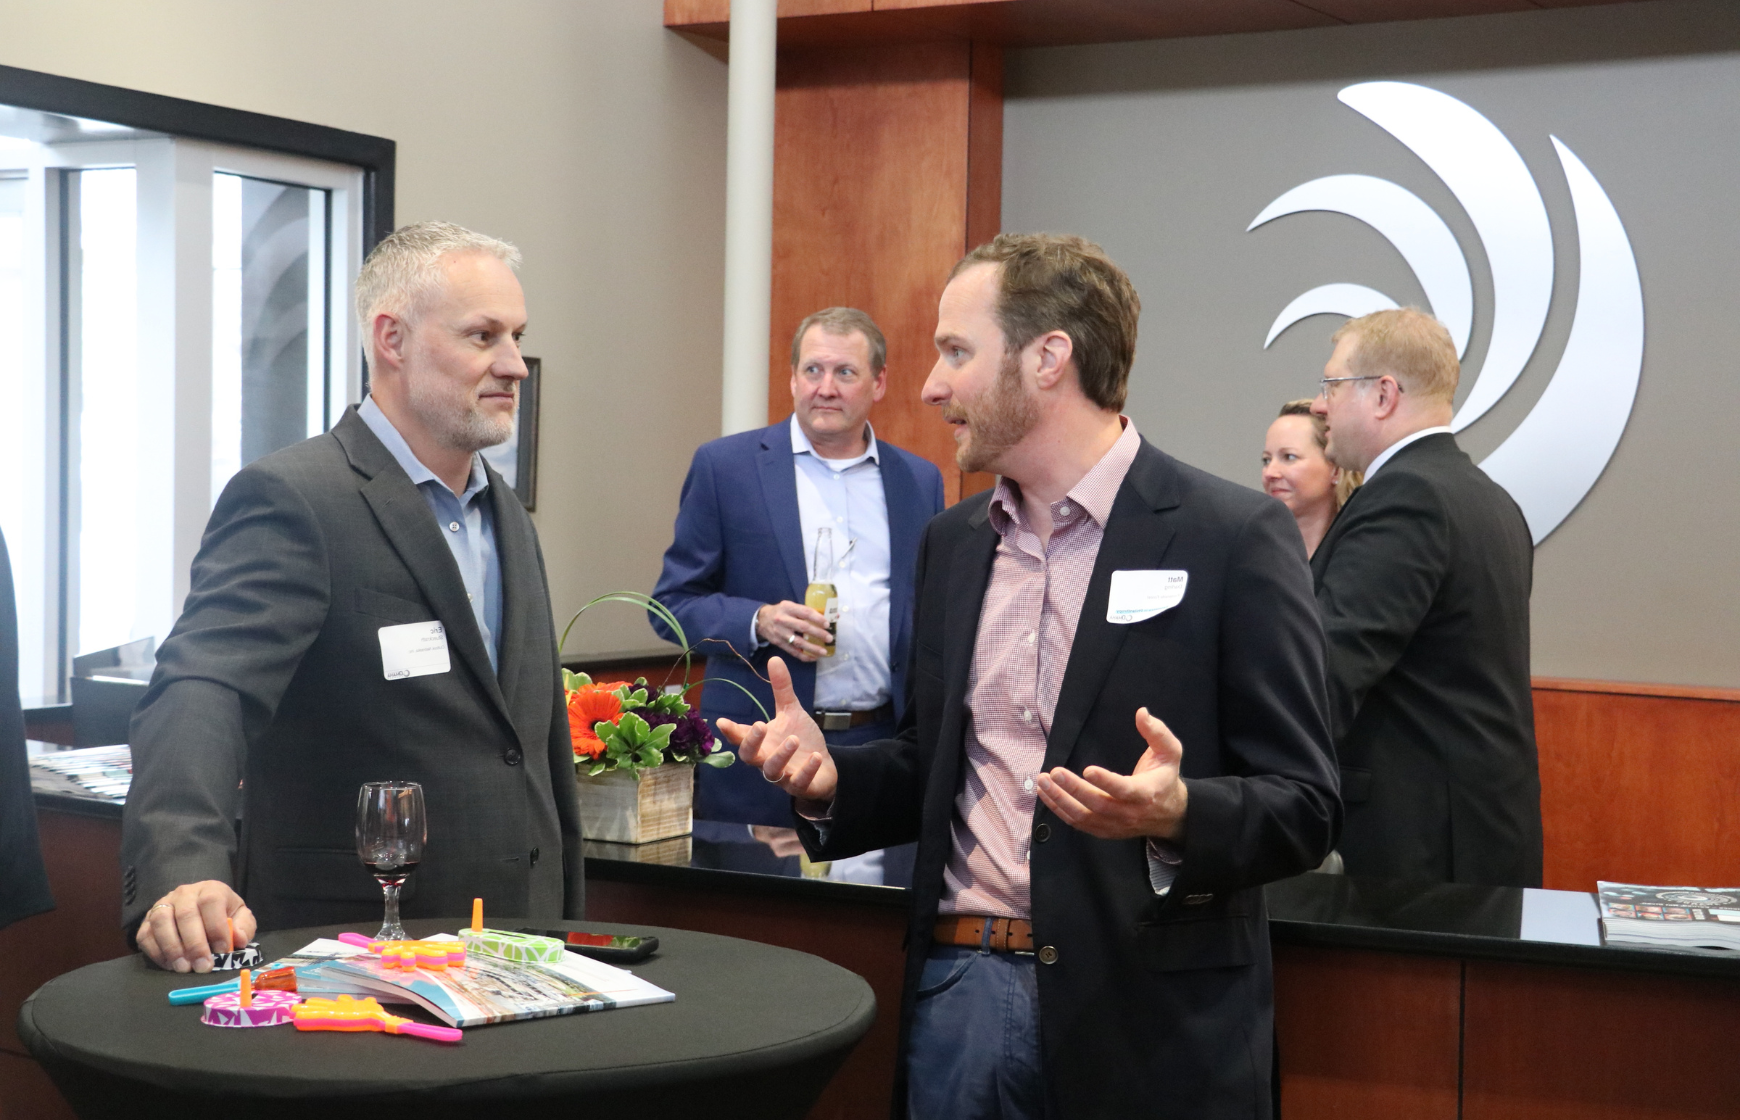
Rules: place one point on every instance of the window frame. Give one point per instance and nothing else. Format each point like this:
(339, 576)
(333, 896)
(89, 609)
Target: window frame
(188, 133)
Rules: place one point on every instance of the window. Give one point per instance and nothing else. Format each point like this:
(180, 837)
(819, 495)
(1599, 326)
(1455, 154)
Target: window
(170, 310)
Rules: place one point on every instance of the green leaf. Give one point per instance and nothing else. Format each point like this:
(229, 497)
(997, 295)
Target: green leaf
(647, 603)
(766, 717)
(572, 681)
(720, 759)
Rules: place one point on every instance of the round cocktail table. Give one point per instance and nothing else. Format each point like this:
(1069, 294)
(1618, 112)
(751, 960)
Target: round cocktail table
(755, 1031)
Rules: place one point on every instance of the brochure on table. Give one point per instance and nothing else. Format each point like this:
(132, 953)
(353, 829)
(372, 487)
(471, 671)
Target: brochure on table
(484, 990)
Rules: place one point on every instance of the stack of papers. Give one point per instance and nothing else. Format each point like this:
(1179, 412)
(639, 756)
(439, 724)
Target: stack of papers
(1671, 917)
(104, 772)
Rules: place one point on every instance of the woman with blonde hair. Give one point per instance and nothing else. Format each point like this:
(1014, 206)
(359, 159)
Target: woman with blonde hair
(1296, 471)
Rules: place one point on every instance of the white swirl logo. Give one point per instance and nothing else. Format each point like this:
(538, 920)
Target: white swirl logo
(1553, 458)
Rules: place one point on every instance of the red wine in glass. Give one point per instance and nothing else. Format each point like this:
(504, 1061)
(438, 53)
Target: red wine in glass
(391, 829)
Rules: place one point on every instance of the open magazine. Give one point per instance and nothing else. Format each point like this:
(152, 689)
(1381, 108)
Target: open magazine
(1671, 917)
(485, 990)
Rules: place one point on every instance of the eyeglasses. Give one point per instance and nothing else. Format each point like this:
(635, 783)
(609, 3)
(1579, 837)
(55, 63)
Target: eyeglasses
(1325, 383)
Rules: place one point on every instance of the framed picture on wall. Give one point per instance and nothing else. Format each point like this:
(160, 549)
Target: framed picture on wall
(517, 459)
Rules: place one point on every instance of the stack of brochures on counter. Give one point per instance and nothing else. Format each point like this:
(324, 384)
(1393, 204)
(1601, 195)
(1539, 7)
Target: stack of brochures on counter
(1670, 917)
(485, 990)
(104, 772)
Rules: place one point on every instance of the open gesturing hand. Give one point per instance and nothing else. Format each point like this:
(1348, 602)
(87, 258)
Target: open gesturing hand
(1148, 802)
(790, 751)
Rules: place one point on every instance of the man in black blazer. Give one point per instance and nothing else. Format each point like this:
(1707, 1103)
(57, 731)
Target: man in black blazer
(23, 878)
(1423, 581)
(1116, 732)
(367, 605)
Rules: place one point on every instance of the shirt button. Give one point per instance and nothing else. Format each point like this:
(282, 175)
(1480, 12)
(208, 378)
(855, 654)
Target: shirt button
(1028, 785)
(1064, 510)
(1048, 955)
(453, 526)
(1032, 636)
(1027, 715)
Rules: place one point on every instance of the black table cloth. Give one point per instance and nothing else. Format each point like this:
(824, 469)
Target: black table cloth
(755, 1031)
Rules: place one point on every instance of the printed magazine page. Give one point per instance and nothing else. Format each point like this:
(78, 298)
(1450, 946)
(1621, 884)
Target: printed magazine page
(486, 989)
(1671, 917)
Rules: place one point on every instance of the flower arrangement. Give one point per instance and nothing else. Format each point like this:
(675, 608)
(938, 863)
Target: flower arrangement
(623, 726)
(630, 727)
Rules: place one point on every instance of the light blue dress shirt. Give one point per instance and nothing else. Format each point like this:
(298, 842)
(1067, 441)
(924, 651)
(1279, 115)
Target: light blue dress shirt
(466, 524)
(846, 496)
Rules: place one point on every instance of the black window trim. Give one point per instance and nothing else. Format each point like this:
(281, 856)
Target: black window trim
(196, 120)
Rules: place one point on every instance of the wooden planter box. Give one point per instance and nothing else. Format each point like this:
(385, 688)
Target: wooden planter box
(616, 806)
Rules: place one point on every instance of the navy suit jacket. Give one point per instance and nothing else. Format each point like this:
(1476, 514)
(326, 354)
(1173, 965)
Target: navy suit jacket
(739, 544)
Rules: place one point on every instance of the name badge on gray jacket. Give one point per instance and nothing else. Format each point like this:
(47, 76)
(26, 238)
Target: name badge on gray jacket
(415, 649)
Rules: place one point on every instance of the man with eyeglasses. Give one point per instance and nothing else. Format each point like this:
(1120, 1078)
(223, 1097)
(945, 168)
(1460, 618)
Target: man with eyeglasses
(745, 551)
(1423, 583)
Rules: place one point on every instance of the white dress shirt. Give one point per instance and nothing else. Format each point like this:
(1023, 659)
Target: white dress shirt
(1390, 451)
(846, 495)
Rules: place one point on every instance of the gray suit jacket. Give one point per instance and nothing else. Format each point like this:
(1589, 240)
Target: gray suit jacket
(272, 680)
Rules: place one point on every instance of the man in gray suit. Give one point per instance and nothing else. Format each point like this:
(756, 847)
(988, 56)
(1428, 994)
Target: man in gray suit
(289, 680)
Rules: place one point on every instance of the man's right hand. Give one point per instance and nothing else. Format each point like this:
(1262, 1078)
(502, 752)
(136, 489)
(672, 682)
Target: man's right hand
(794, 629)
(185, 927)
(790, 751)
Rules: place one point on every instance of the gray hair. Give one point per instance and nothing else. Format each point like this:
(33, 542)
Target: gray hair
(405, 267)
(844, 321)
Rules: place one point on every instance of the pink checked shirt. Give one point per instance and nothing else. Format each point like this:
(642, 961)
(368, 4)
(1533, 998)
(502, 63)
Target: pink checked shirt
(1026, 629)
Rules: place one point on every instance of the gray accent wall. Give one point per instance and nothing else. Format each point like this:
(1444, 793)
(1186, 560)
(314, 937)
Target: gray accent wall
(1164, 151)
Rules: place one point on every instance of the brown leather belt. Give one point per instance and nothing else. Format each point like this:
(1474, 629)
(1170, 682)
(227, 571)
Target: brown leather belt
(845, 721)
(1008, 935)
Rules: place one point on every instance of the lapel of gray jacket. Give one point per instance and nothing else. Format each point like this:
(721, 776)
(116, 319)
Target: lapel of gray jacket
(525, 608)
(411, 529)
(1136, 537)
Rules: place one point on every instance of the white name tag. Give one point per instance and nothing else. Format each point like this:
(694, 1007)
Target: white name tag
(1138, 595)
(415, 649)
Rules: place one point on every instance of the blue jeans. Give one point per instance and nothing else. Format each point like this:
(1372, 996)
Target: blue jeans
(974, 1049)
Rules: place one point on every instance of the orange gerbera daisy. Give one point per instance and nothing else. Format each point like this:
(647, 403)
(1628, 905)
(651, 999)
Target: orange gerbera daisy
(588, 705)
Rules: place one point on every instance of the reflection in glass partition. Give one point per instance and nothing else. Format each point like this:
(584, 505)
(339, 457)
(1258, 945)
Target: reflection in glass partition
(20, 438)
(268, 320)
(109, 489)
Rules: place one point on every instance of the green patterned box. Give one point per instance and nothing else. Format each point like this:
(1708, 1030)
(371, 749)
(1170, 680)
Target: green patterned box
(525, 948)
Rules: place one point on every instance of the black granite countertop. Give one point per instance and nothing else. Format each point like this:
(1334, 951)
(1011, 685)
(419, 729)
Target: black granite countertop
(1526, 926)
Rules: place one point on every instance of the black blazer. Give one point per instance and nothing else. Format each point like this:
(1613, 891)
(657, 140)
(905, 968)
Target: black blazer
(23, 879)
(272, 678)
(1423, 581)
(1155, 1007)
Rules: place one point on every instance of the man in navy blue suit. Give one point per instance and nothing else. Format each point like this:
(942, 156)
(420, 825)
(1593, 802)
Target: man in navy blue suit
(745, 550)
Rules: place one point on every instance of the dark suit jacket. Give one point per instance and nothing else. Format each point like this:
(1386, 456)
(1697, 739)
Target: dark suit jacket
(738, 544)
(23, 880)
(1155, 1007)
(1423, 581)
(273, 678)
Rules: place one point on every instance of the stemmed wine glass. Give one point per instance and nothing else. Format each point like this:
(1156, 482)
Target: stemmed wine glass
(390, 830)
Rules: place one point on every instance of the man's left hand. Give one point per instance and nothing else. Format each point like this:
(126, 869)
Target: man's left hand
(1149, 802)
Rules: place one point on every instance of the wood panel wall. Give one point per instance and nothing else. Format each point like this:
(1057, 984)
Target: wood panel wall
(1639, 783)
(887, 166)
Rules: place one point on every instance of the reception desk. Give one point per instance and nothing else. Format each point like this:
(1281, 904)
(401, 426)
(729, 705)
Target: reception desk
(1410, 1000)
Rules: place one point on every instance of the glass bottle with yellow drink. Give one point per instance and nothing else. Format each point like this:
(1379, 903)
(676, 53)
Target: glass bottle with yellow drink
(821, 595)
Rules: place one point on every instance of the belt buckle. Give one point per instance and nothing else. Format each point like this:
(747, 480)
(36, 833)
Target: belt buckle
(835, 721)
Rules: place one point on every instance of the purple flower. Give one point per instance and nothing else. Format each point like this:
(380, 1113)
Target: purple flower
(691, 737)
